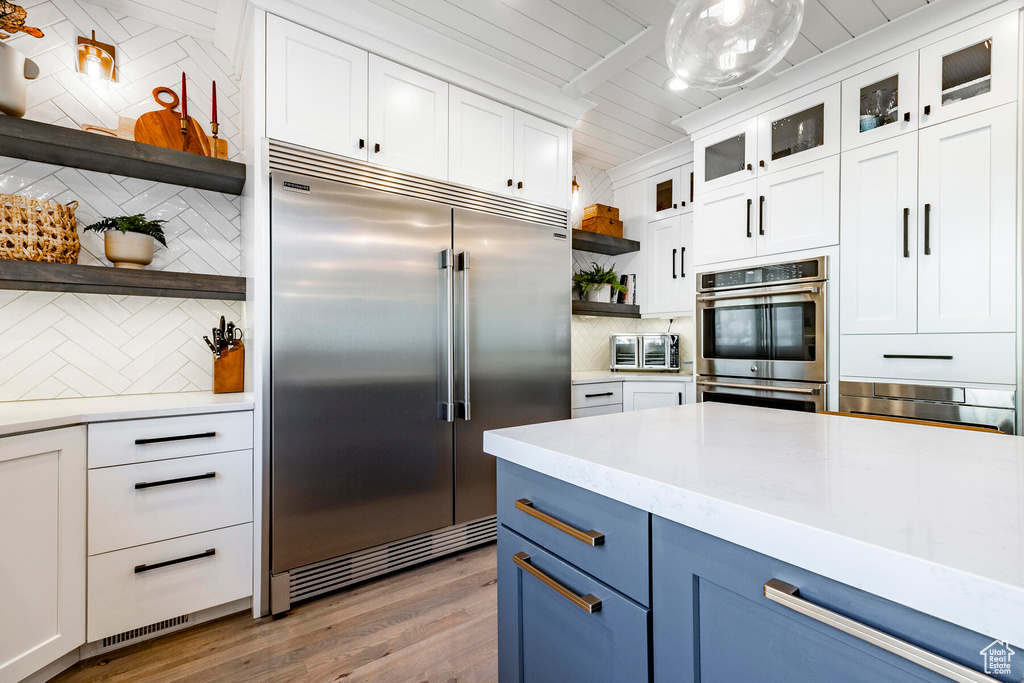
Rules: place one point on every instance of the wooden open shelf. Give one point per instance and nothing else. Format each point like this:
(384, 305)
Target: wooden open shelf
(602, 244)
(56, 277)
(49, 144)
(607, 310)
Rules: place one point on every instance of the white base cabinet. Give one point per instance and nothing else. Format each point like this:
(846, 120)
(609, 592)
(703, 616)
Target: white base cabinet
(42, 549)
(640, 395)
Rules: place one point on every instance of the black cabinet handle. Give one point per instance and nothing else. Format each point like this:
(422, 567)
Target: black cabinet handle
(761, 163)
(750, 167)
(927, 229)
(684, 203)
(927, 109)
(691, 187)
(198, 556)
(179, 480)
(750, 205)
(914, 356)
(181, 437)
(906, 117)
(362, 143)
(376, 148)
(760, 217)
(675, 206)
(510, 182)
(607, 393)
(680, 398)
(520, 185)
(682, 259)
(906, 233)
(674, 251)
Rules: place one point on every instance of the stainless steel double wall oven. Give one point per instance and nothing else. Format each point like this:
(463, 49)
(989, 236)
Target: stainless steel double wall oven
(762, 335)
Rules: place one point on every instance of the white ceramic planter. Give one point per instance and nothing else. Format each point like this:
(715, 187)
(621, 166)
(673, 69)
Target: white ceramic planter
(601, 295)
(128, 249)
(15, 72)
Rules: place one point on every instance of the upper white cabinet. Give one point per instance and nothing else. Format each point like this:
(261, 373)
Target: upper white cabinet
(724, 224)
(726, 158)
(408, 119)
(970, 71)
(799, 132)
(541, 168)
(319, 89)
(42, 549)
(671, 285)
(878, 273)
(670, 193)
(881, 103)
(967, 245)
(798, 208)
(481, 134)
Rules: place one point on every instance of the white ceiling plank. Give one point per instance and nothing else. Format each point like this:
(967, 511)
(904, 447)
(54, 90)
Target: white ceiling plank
(857, 17)
(597, 118)
(802, 50)
(893, 9)
(469, 29)
(605, 146)
(606, 159)
(618, 109)
(646, 11)
(159, 17)
(622, 58)
(579, 156)
(613, 137)
(821, 28)
(655, 95)
(567, 24)
(605, 17)
(658, 73)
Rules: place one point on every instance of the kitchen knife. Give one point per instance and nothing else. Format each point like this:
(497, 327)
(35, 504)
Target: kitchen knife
(223, 330)
(213, 348)
(230, 334)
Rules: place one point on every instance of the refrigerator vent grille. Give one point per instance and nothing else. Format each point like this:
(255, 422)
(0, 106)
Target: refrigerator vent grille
(329, 575)
(285, 156)
(136, 633)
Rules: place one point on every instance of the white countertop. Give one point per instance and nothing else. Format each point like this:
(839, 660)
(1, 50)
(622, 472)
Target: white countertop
(30, 416)
(927, 517)
(595, 376)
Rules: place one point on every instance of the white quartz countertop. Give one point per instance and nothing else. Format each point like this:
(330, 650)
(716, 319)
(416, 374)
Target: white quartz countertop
(30, 416)
(927, 517)
(595, 376)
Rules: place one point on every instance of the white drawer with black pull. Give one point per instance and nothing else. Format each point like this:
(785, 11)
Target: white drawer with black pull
(149, 583)
(135, 504)
(132, 441)
(597, 394)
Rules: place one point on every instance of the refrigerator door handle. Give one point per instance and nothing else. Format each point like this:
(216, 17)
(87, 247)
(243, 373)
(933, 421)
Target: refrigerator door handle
(446, 408)
(462, 407)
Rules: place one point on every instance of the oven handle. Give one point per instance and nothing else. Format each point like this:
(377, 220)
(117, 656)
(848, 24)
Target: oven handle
(762, 387)
(758, 294)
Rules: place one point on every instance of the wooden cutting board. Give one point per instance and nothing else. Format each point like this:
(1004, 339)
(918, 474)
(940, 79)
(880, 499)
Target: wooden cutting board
(163, 128)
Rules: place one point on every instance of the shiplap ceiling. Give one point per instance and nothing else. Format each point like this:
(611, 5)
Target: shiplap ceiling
(560, 40)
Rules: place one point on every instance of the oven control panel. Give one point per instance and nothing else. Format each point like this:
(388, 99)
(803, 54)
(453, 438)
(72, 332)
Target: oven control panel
(763, 275)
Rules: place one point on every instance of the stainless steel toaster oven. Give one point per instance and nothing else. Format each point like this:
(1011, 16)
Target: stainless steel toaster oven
(644, 351)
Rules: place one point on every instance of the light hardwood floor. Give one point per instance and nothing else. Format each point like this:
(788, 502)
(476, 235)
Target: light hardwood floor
(437, 622)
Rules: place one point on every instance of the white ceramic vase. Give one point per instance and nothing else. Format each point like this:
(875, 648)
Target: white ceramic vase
(128, 249)
(601, 295)
(15, 72)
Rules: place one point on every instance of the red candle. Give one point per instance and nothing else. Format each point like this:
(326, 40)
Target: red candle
(215, 101)
(184, 98)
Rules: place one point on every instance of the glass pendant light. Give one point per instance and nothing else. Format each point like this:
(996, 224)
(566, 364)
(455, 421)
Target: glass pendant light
(713, 44)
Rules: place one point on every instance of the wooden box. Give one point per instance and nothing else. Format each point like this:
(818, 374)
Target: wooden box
(603, 226)
(229, 370)
(601, 211)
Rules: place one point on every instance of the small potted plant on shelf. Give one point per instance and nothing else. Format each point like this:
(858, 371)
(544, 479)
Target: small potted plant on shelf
(597, 283)
(129, 240)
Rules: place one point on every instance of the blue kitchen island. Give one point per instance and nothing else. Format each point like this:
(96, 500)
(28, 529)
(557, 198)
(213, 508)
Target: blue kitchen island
(721, 543)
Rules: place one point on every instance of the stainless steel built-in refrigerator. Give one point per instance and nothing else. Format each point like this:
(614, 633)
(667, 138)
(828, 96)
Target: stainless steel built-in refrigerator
(402, 329)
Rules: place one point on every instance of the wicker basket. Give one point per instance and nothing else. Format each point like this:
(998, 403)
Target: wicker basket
(38, 230)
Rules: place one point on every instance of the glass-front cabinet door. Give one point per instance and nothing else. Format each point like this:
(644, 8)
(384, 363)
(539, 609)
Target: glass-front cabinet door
(969, 72)
(725, 158)
(799, 132)
(881, 103)
(670, 193)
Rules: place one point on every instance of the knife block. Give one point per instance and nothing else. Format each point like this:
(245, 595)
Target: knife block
(229, 371)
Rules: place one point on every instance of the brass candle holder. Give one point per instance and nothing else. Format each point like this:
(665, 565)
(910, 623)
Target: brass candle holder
(214, 128)
(184, 133)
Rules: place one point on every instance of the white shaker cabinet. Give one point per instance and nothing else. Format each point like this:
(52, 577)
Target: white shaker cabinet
(970, 71)
(726, 158)
(408, 119)
(798, 208)
(881, 103)
(799, 132)
(641, 395)
(724, 224)
(670, 193)
(481, 134)
(317, 90)
(967, 244)
(879, 255)
(671, 288)
(42, 549)
(541, 169)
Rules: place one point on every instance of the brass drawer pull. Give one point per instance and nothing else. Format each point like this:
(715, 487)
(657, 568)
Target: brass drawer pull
(589, 537)
(789, 596)
(587, 603)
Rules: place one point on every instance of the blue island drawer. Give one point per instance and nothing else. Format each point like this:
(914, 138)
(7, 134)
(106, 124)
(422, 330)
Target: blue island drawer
(559, 517)
(555, 623)
(714, 623)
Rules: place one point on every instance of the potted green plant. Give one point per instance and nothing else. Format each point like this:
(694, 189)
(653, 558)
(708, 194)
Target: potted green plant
(129, 240)
(597, 283)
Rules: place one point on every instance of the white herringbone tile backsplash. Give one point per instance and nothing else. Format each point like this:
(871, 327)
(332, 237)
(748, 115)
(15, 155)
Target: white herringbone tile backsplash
(148, 56)
(590, 350)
